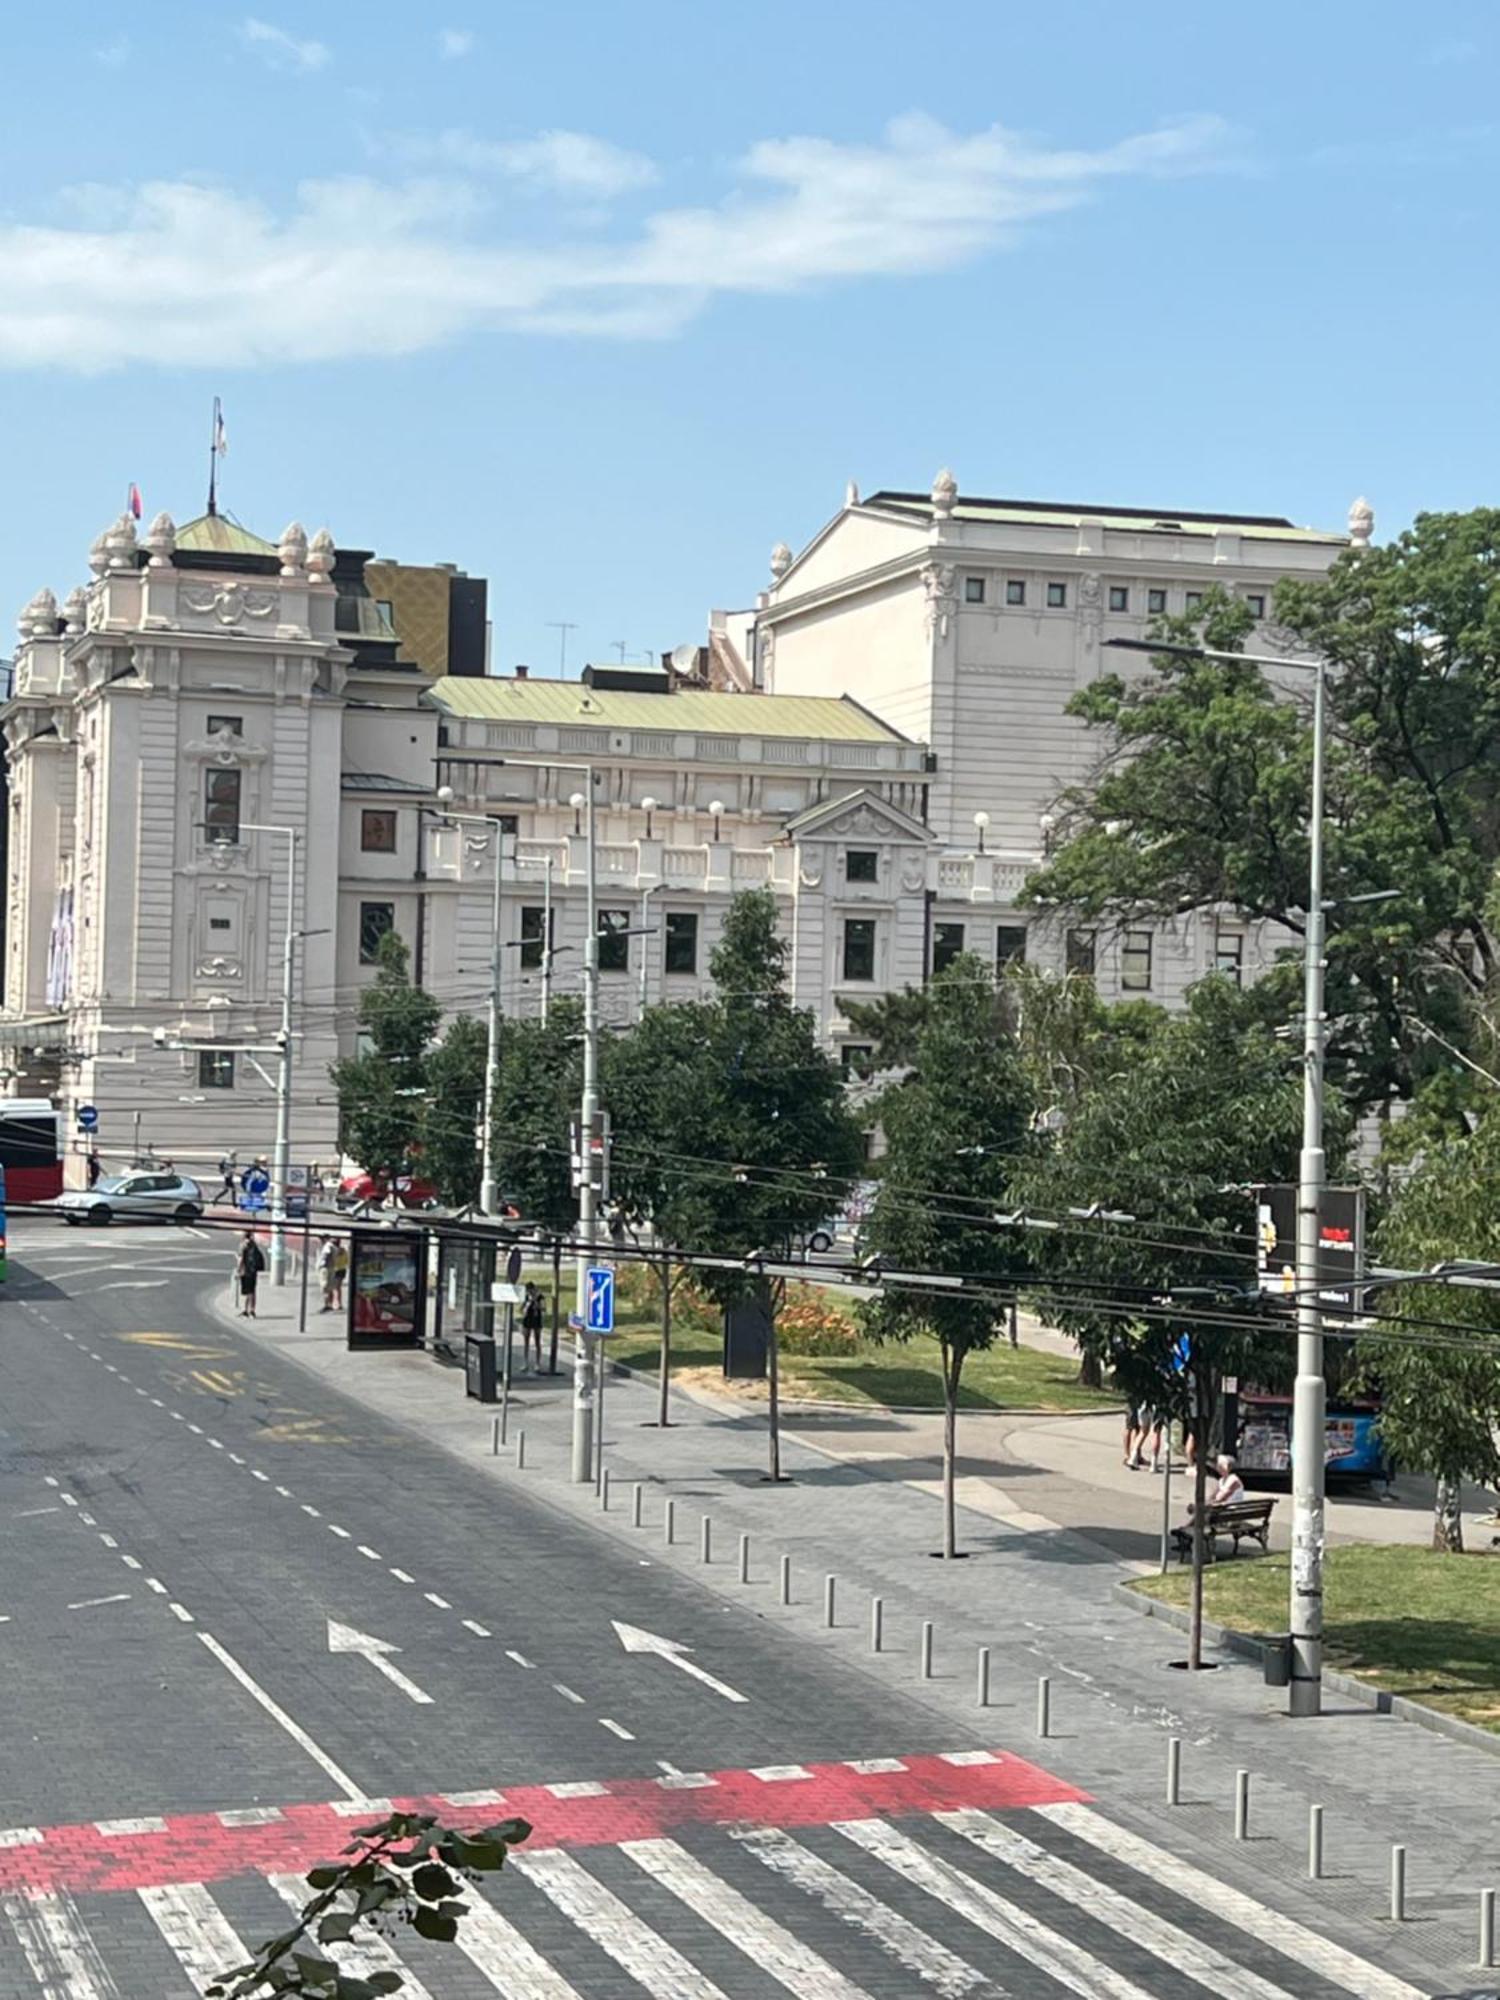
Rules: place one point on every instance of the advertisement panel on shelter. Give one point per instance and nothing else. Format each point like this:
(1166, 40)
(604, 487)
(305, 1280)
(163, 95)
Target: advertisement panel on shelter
(387, 1288)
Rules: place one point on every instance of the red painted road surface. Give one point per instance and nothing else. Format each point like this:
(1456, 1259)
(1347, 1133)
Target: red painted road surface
(207, 1847)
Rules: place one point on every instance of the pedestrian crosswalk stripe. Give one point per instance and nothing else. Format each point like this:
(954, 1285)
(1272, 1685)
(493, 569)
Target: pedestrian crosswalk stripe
(796, 1965)
(206, 1944)
(1317, 1954)
(365, 1952)
(63, 1957)
(1199, 1961)
(1020, 1932)
(650, 1960)
(850, 1901)
(512, 1966)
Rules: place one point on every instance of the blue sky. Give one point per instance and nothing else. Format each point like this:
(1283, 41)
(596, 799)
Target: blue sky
(601, 301)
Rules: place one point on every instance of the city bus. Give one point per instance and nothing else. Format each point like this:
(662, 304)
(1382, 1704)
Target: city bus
(4, 1260)
(29, 1150)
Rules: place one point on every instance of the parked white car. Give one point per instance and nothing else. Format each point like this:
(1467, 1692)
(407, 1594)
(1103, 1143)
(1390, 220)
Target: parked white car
(144, 1196)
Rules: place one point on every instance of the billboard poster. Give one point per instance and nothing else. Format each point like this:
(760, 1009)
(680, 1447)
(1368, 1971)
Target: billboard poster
(387, 1288)
(1341, 1244)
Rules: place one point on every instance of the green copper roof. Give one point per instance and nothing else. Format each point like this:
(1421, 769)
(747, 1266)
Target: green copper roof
(1041, 513)
(216, 534)
(572, 704)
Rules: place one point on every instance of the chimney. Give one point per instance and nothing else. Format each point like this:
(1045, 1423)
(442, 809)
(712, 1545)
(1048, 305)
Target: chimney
(522, 672)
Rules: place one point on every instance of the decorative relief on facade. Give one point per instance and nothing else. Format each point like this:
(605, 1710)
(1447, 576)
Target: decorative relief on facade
(940, 582)
(229, 603)
(1090, 608)
(812, 862)
(913, 871)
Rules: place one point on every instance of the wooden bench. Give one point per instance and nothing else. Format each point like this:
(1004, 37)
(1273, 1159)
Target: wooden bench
(1238, 1519)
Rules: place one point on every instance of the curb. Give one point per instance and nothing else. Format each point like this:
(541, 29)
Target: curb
(1250, 1646)
(887, 1409)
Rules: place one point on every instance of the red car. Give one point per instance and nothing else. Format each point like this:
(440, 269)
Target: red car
(411, 1190)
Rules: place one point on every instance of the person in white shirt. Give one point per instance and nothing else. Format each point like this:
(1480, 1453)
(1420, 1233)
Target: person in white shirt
(1230, 1487)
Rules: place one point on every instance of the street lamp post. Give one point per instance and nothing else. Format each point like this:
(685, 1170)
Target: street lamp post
(281, 1157)
(1310, 1393)
(489, 1198)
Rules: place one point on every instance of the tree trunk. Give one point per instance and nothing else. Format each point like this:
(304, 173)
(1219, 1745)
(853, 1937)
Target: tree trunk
(662, 1418)
(953, 1361)
(1447, 1519)
(556, 1304)
(1015, 1324)
(1200, 1496)
(1090, 1370)
(775, 1406)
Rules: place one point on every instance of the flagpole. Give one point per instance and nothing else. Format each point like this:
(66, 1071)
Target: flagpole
(213, 460)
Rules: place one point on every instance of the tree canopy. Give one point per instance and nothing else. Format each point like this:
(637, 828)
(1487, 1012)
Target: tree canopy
(383, 1093)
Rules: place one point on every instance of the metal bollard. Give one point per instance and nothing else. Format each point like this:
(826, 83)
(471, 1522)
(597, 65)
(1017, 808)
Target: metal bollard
(604, 1490)
(744, 1558)
(495, 1437)
(877, 1621)
(786, 1579)
(927, 1649)
(668, 1521)
(1174, 1770)
(1486, 1927)
(636, 1493)
(829, 1585)
(706, 1548)
(983, 1692)
(1315, 1843)
(1242, 1805)
(1398, 1885)
(1043, 1705)
(520, 1451)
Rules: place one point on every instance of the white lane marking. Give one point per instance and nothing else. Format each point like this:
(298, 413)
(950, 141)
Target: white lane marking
(441, 1602)
(217, 1444)
(21, 1836)
(479, 1631)
(1283, 1934)
(634, 1640)
(196, 1929)
(1189, 1954)
(249, 1816)
(335, 1529)
(345, 1639)
(88, 1603)
(963, 1758)
(374, 1554)
(70, 1499)
(116, 1828)
(278, 1714)
(130, 1562)
(365, 1953)
(311, 1512)
(511, 1965)
(63, 1957)
(236, 1458)
(152, 1583)
(578, 1788)
(781, 1774)
(178, 1611)
(519, 1658)
(488, 1797)
(30, 1513)
(853, 1904)
(50, 1479)
(133, 1285)
(108, 1541)
(650, 1960)
(196, 1429)
(401, 1576)
(285, 1492)
(360, 1808)
(256, 1473)
(88, 1520)
(616, 1729)
(763, 1941)
(872, 1766)
(562, 1688)
(1017, 1929)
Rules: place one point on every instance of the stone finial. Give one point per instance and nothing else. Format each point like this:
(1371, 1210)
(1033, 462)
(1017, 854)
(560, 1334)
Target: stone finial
(161, 540)
(851, 493)
(320, 555)
(119, 542)
(944, 494)
(1361, 523)
(98, 553)
(75, 609)
(39, 618)
(781, 560)
(293, 549)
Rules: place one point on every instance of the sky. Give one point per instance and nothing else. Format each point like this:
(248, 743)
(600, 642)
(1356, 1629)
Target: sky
(602, 301)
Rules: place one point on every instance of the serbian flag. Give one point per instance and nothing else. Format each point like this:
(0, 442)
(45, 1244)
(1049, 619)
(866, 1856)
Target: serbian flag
(134, 501)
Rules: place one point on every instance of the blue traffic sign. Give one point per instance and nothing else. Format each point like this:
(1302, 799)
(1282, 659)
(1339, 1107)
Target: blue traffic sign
(599, 1299)
(88, 1117)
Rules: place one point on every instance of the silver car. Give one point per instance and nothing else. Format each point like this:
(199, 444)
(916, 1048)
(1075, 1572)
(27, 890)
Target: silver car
(145, 1194)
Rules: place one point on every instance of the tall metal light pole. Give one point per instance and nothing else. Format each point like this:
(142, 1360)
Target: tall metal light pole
(588, 1205)
(281, 1158)
(489, 1196)
(1310, 1393)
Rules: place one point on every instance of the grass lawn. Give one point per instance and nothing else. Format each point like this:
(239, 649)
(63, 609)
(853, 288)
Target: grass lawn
(1419, 1624)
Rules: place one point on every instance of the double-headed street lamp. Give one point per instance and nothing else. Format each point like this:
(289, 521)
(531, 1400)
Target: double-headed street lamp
(1310, 1395)
(489, 1197)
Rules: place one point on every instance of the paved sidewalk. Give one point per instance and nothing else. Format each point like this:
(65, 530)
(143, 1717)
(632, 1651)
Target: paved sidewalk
(1040, 1598)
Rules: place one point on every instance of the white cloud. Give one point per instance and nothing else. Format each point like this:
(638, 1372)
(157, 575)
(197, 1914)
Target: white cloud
(190, 273)
(455, 42)
(113, 53)
(283, 51)
(570, 163)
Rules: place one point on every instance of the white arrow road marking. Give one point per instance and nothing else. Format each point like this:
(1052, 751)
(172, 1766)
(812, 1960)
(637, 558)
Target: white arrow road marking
(634, 1640)
(344, 1639)
(134, 1285)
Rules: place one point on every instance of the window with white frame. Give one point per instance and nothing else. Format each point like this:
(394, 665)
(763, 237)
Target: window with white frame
(1229, 953)
(1135, 962)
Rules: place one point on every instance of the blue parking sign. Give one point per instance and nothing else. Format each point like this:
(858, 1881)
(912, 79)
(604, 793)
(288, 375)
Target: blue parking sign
(599, 1299)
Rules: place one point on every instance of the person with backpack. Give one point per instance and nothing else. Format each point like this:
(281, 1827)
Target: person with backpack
(532, 1314)
(248, 1266)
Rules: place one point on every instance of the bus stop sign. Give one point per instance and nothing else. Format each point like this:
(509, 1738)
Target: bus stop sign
(88, 1117)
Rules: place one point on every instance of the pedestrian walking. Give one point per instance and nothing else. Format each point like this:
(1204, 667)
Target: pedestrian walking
(93, 1166)
(338, 1271)
(326, 1248)
(248, 1266)
(532, 1314)
(228, 1166)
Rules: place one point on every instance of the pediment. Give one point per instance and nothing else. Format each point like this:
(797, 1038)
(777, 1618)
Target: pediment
(861, 815)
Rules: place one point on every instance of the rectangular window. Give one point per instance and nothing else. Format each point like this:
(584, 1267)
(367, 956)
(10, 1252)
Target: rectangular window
(377, 831)
(1135, 962)
(1156, 602)
(862, 864)
(533, 919)
(221, 805)
(680, 948)
(614, 946)
(1229, 955)
(375, 919)
(1015, 591)
(856, 1058)
(947, 943)
(1193, 599)
(1010, 946)
(1080, 953)
(234, 725)
(216, 1069)
(1119, 597)
(1057, 596)
(973, 590)
(1257, 603)
(859, 948)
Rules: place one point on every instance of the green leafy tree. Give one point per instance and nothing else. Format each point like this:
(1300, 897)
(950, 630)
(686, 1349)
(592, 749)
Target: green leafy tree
(1441, 1390)
(382, 1094)
(537, 1090)
(956, 1130)
(455, 1099)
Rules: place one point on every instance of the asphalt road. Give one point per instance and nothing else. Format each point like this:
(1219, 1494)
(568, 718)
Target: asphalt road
(229, 1593)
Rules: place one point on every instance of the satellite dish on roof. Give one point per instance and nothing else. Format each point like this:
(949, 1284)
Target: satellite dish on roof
(684, 659)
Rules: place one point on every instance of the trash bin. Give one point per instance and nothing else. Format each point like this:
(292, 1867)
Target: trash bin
(1276, 1660)
(479, 1368)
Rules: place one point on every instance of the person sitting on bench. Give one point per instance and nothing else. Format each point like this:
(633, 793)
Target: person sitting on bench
(1230, 1486)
